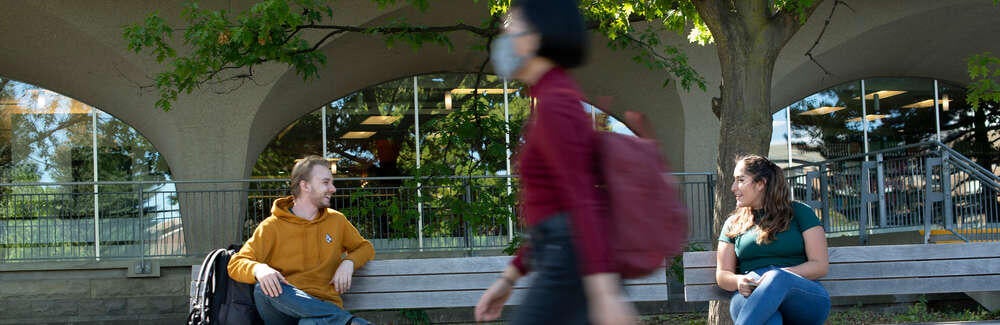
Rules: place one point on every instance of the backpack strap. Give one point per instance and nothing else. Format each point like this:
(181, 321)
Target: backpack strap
(206, 280)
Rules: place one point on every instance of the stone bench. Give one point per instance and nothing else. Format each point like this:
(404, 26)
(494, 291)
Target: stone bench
(972, 268)
(452, 282)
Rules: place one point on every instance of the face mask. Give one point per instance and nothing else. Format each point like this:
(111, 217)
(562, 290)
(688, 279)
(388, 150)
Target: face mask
(505, 60)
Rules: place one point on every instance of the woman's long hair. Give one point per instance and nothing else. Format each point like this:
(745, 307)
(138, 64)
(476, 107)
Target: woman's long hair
(776, 207)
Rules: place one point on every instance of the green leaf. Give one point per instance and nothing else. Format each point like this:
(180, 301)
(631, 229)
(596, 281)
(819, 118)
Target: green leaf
(984, 73)
(220, 46)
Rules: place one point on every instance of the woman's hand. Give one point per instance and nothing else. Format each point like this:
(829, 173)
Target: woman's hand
(491, 303)
(606, 303)
(612, 309)
(746, 285)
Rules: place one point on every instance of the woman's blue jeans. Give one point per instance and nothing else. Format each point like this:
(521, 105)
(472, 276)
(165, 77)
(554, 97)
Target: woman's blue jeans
(781, 297)
(294, 306)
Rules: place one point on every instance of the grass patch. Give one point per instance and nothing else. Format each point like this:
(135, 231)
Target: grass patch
(685, 319)
(918, 312)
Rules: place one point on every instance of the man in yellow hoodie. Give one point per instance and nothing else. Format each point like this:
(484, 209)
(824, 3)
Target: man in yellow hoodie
(302, 257)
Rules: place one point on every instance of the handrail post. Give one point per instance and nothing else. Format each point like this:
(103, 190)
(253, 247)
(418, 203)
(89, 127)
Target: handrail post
(824, 196)
(866, 199)
(710, 179)
(420, 216)
(949, 212)
(880, 173)
(465, 221)
(930, 196)
(97, 224)
(142, 233)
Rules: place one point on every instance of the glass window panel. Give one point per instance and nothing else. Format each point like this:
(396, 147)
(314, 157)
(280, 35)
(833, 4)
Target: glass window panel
(825, 125)
(462, 132)
(974, 133)
(606, 122)
(366, 130)
(47, 137)
(301, 138)
(900, 112)
(778, 152)
(123, 154)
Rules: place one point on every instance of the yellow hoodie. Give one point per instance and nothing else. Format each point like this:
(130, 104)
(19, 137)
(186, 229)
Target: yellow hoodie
(306, 252)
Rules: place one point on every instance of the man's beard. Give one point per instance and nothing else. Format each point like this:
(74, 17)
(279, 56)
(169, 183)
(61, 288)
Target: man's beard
(322, 202)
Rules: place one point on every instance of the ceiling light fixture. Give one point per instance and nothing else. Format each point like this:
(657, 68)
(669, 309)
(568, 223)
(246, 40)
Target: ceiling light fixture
(883, 94)
(927, 103)
(358, 135)
(380, 120)
(870, 117)
(822, 110)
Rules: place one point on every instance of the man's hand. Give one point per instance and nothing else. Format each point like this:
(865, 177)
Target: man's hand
(270, 280)
(342, 278)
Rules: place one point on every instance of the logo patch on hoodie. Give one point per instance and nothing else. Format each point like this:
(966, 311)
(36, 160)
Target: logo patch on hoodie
(329, 239)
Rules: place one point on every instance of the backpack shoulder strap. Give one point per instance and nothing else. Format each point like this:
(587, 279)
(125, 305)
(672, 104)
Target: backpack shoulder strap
(206, 277)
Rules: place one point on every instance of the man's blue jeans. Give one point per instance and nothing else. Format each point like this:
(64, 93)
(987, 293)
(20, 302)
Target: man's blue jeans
(294, 306)
(781, 297)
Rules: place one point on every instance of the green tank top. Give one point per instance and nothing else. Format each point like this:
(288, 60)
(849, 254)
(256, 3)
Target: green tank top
(787, 249)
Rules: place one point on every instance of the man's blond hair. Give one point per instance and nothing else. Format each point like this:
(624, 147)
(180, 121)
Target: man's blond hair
(302, 169)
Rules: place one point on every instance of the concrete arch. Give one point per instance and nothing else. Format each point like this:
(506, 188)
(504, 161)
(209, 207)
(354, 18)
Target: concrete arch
(59, 54)
(934, 47)
(357, 61)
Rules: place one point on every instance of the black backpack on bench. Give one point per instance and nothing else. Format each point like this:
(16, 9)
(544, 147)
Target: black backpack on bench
(219, 299)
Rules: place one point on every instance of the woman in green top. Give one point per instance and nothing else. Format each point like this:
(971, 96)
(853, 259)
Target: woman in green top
(771, 251)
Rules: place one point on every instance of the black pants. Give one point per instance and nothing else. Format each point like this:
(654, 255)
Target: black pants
(556, 296)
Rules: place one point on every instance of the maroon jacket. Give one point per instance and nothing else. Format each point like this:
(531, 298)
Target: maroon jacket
(558, 169)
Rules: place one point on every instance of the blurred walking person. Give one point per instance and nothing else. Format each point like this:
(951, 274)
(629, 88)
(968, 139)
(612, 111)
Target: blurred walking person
(566, 214)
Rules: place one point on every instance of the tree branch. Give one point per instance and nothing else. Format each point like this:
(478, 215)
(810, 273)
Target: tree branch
(826, 24)
(484, 32)
(320, 43)
(647, 47)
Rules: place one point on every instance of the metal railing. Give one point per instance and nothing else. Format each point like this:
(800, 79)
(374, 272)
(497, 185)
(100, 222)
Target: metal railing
(130, 220)
(925, 187)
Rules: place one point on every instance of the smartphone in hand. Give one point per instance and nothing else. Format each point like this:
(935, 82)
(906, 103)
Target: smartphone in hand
(753, 276)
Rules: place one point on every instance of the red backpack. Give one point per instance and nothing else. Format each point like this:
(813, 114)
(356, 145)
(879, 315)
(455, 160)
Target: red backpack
(649, 219)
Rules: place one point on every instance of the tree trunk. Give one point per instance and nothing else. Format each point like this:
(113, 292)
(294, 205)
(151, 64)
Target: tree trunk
(748, 37)
(983, 147)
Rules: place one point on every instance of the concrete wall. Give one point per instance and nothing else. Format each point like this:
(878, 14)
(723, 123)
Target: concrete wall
(93, 293)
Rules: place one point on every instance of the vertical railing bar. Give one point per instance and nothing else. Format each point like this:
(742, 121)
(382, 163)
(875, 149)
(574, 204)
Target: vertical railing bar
(420, 203)
(506, 124)
(97, 208)
(880, 174)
